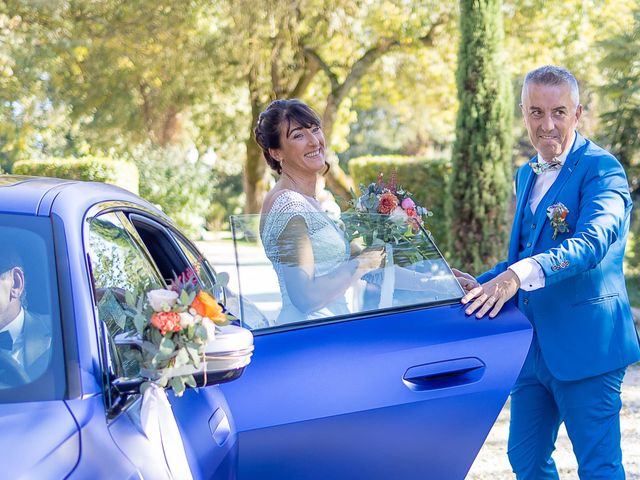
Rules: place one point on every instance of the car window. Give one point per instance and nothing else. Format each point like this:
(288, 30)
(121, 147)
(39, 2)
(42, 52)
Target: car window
(118, 266)
(31, 354)
(304, 268)
(173, 254)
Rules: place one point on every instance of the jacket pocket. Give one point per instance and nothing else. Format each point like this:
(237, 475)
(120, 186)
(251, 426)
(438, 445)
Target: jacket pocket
(594, 300)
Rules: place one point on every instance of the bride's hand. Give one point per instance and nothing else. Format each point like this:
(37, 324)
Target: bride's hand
(466, 281)
(370, 259)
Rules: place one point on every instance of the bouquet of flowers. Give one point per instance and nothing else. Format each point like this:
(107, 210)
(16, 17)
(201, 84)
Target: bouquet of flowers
(387, 214)
(175, 325)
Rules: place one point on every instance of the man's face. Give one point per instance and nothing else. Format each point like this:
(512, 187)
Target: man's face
(550, 116)
(5, 295)
(11, 286)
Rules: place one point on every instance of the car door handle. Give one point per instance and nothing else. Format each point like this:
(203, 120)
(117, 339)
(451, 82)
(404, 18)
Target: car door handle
(448, 373)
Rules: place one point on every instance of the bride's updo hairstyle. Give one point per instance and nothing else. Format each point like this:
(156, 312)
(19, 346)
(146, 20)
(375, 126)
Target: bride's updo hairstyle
(278, 116)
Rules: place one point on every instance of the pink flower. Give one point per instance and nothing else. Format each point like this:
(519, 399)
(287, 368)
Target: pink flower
(166, 322)
(411, 212)
(408, 203)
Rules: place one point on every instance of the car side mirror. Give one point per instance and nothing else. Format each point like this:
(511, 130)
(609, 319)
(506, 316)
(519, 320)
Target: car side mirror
(127, 386)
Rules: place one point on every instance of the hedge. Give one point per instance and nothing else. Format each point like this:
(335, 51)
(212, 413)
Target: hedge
(426, 179)
(94, 169)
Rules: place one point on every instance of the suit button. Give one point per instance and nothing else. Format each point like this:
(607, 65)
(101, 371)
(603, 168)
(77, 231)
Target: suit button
(528, 244)
(533, 226)
(526, 301)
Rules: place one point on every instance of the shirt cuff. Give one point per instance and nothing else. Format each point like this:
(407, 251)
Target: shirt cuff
(530, 274)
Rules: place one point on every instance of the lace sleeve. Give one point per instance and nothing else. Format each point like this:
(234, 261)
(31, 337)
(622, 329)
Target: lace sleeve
(288, 205)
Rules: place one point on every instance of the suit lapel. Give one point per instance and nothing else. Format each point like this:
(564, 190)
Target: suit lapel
(579, 146)
(522, 202)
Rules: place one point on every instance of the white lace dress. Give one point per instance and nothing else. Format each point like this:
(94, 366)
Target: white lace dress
(329, 245)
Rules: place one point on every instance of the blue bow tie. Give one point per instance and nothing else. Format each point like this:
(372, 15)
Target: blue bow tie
(541, 167)
(6, 341)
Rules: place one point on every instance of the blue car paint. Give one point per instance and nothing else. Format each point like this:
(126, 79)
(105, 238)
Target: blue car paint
(330, 401)
(39, 440)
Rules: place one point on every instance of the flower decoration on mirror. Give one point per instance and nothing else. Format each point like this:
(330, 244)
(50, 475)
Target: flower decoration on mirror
(557, 214)
(174, 324)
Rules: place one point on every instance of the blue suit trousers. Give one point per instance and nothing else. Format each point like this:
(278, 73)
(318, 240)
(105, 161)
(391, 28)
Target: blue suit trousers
(590, 409)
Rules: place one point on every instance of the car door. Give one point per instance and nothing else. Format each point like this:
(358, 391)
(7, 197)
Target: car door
(408, 392)
(202, 414)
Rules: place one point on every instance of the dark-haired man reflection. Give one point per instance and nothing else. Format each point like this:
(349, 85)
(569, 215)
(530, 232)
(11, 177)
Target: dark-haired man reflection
(25, 338)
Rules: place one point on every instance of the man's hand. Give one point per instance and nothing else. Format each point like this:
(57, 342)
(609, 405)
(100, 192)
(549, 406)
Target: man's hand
(466, 281)
(492, 295)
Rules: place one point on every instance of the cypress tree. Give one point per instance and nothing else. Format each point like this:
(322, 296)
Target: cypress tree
(480, 188)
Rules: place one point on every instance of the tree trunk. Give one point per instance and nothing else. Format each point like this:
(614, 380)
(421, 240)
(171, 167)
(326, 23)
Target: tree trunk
(255, 171)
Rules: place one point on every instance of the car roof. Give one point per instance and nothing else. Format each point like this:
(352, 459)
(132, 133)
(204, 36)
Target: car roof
(36, 195)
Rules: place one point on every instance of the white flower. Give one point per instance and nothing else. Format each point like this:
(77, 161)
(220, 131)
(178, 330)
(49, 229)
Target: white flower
(186, 320)
(210, 327)
(162, 300)
(398, 215)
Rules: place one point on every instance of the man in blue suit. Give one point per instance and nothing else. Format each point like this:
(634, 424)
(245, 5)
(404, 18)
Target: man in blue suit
(565, 270)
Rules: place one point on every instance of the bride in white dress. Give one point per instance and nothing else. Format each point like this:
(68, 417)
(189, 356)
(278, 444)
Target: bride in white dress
(310, 255)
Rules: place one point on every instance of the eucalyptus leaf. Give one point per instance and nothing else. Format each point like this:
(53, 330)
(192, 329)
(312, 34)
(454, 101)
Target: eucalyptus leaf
(166, 346)
(194, 354)
(138, 322)
(184, 297)
(201, 332)
(177, 384)
(163, 381)
(182, 358)
(130, 299)
(190, 381)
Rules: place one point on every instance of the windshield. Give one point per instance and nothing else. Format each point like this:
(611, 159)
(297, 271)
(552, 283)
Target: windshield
(31, 357)
(304, 267)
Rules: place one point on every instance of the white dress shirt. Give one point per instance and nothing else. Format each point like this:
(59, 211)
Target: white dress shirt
(15, 329)
(528, 271)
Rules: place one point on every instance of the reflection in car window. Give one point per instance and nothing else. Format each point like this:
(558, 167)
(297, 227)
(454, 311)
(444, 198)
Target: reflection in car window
(31, 360)
(301, 267)
(118, 266)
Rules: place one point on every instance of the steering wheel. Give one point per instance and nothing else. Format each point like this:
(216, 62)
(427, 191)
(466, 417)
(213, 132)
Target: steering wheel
(13, 374)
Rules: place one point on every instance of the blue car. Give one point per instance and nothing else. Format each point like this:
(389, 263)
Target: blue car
(403, 385)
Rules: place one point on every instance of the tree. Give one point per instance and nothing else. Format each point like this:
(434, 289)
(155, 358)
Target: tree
(621, 120)
(481, 177)
(288, 43)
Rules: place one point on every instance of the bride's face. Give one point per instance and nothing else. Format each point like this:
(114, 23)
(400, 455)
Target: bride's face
(302, 149)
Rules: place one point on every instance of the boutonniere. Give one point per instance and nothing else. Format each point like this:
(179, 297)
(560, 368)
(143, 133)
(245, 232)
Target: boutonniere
(557, 213)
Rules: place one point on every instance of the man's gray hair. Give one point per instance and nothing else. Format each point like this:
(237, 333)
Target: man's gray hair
(552, 75)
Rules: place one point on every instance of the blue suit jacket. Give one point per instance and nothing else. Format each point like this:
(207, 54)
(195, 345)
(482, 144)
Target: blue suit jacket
(582, 316)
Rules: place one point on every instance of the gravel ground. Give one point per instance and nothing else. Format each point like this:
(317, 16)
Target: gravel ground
(492, 462)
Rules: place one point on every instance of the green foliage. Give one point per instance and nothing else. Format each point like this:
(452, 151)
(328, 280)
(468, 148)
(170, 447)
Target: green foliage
(480, 184)
(621, 63)
(94, 169)
(426, 179)
(179, 181)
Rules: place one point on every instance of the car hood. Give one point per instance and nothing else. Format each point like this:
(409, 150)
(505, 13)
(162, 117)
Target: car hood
(39, 440)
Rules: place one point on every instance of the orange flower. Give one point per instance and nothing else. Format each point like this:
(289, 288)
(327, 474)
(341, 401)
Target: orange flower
(166, 322)
(388, 202)
(207, 306)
